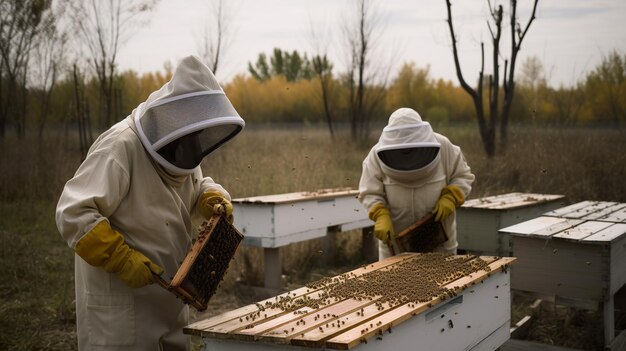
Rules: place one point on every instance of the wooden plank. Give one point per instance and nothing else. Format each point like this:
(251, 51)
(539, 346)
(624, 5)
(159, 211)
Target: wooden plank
(616, 217)
(587, 210)
(608, 234)
(606, 212)
(329, 320)
(298, 196)
(582, 230)
(389, 319)
(531, 226)
(487, 200)
(527, 200)
(197, 327)
(563, 210)
(558, 227)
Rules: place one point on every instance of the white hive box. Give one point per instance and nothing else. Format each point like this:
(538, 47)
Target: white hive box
(578, 259)
(274, 221)
(282, 219)
(476, 318)
(478, 220)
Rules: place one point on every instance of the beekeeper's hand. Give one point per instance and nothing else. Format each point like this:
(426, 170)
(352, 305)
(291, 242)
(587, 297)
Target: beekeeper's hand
(213, 202)
(106, 248)
(383, 229)
(451, 197)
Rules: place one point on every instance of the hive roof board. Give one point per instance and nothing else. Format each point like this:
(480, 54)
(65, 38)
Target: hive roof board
(593, 210)
(298, 196)
(568, 229)
(345, 320)
(510, 201)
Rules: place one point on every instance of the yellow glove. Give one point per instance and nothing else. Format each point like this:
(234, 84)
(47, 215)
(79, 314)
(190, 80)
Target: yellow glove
(451, 197)
(383, 229)
(213, 202)
(106, 248)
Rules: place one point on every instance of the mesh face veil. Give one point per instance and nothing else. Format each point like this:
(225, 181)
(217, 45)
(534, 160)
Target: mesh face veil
(407, 145)
(188, 118)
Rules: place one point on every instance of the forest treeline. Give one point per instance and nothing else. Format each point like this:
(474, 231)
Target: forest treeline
(59, 69)
(277, 97)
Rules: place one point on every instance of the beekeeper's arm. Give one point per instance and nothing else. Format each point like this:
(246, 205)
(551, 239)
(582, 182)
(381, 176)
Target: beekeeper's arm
(88, 199)
(459, 178)
(372, 196)
(214, 199)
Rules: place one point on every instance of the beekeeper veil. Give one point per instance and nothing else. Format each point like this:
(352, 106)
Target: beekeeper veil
(188, 118)
(407, 147)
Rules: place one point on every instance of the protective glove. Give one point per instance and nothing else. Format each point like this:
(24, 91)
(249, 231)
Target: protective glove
(451, 197)
(213, 202)
(106, 248)
(383, 228)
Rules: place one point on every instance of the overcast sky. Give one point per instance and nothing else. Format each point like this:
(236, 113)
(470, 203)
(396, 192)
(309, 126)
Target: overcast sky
(569, 37)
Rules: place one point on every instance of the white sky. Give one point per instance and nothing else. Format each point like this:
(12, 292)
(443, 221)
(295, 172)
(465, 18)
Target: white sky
(570, 37)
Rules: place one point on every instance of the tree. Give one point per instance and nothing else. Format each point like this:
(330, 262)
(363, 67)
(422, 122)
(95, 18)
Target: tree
(497, 116)
(103, 26)
(282, 63)
(533, 80)
(48, 62)
(20, 23)
(365, 82)
(324, 71)
(215, 39)
(606, 89)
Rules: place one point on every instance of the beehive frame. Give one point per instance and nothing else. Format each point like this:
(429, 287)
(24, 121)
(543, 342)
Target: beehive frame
(206, 263)
(422, 236)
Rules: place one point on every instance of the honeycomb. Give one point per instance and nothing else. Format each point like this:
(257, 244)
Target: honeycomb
(418, 279)
(423, 236)
(206, 263)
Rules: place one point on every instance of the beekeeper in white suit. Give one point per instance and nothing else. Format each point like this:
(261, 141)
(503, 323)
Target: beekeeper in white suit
(131, 208)
(410, 172)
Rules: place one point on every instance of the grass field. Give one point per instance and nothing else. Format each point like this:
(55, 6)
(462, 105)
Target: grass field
(37, 290)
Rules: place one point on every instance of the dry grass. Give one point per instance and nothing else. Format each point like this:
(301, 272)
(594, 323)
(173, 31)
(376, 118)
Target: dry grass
(36, 292)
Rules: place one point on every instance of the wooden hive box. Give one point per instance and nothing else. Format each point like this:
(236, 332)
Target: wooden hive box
(478, 220)
(206, 263)
(468, 307)
(578, 261)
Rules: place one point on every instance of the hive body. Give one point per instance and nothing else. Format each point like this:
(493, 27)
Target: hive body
(379, 305)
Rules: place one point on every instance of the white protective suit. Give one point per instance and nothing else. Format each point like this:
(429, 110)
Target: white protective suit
(154, 206)
(411, 194)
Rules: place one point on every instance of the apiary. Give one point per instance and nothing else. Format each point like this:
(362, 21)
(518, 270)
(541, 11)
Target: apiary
(411, 301)
(578, 259)
(274, 221)
(478, 220)
(205, 264)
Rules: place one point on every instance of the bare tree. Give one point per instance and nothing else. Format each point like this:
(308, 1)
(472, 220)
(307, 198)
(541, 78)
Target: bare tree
(497, 116)
(20, 23)
(365, 81)
(103, 27)
(323, 70)
(48, 62)
(217, 34)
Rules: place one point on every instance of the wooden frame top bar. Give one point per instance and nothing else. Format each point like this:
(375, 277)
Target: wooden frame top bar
(341, 324)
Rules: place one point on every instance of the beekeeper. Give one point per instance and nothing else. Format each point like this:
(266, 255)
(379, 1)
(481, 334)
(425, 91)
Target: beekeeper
(410, 172)
(132, 207)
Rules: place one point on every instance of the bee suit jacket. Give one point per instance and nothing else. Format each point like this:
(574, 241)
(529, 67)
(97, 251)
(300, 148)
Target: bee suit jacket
(156, 212)
(410, 195)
